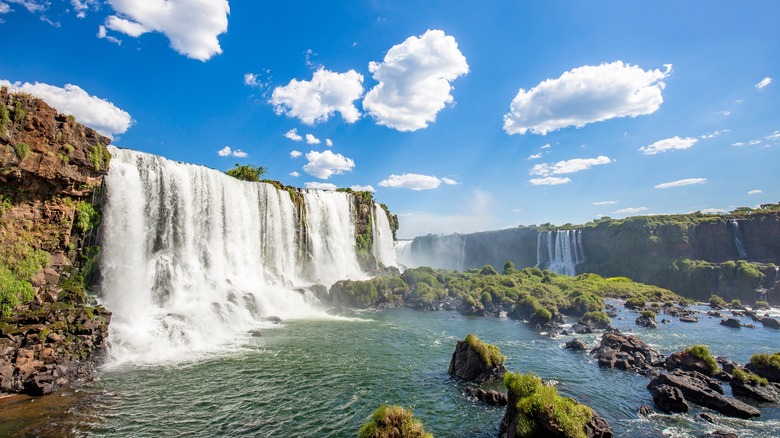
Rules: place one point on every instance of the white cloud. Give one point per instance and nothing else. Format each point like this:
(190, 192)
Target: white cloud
(534, 156)
(295, 154)
(251, 79)
(605, 202)
(546, 146)
(293, 135)
(368, 188)
(681, 182)
(320, 186)
(723, 113)
(102, 34)
(630, 210)
(317, 100)
(325, 164)
(755, 192)
(774, 136)
(449, 181)
(568, 166)
(411, 181)
(295, 174)
(738, 144)
(81, 7)
(549, 181)
(227, 152)
(714, 134)
(668, 144)
(4, 8)
(586, 95)
(192, 26)
(99, 114)
(414, 81)
(712, 211)
(754, 142)
(32, 6)
(312, 139)
(328, 143)
(764, 83)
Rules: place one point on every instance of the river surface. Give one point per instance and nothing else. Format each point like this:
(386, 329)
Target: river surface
(324, 377)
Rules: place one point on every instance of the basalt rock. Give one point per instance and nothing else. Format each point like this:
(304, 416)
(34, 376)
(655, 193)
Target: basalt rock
(686, 361)
(668, 398)
(769, 393)
(704, 391)
(646, 321)
(770, 322)
(626, 352)
(469, 365)
(689, 319)
(490, 397)
(576, 344)
(731, 322)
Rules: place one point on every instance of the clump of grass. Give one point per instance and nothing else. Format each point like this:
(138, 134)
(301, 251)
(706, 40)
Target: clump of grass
(765, 360)
(749, 378)
(99, 156)
(703, 353)
(597, 319)
(490, 354)
(22, 150)
(19, 112)
(635, 303)
(5, 118)
(393, 422)
(535, 400)
(761, 305)
(68, 148)
(716, 301)
(648, 314)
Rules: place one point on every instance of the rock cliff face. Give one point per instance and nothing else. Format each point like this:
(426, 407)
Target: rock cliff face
(50, 167)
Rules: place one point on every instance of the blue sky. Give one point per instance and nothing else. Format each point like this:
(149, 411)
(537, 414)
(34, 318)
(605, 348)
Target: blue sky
(462, 115)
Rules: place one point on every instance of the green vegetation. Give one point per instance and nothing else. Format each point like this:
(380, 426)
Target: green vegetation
(5, 204)
(701, 352)
(86, 216)
(735, 303)
(18, 263)
(247, 172)
(749, 378)
(716, 301)
(64, 158)
(597, 318)
(766, 361)
(635, 303)
(22, 150)
(19, 112)
(5, 118)
(489, 353)
(68, 148)
(99, 156)
(762, 305)
(648, 314)
(393, 422)
(536, 400)
(72, 118)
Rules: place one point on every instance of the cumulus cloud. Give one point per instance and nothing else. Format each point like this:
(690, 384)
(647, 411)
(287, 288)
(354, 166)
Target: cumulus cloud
(251, 79)
(312, 139)
(32, 6)
(681, 182)
(773, 136)
(764, 83)
(295, 154)
(605, 202)
(192, 26)
(325, 164)
(449, 181)
(295, 174)
(317, 100)
(755, 192)
(320, 186)
(668, 144)
(568, 166)
(412, 181)
(414, 81)
(549, 181)
(81, 7)
(534, 156)
(4, 8)
(586, 95)
(630, 210)
(328, 143)
(227, 151)
(368, 188)
(293, 135)
(99, 114)
(102, 34)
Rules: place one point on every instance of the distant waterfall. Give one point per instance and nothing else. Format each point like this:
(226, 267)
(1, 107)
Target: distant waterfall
(738, 240)
(191, 258)
(560, 251)
(384, 246)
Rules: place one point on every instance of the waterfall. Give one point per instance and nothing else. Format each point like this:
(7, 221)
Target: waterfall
(404, 254)
(384, 246)
(738, 240)
(560, 251)
(191, 258)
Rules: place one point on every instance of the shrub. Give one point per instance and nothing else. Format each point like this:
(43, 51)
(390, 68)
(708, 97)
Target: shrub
(542, 315)
(19, 112)
(597, 319)
(22, 150)
(736, 303)
(4, 118)
(761, 305)
(18, 263)
(765, 360)
(99, 156)
(248, 172)
(749, 378)
(716, 301)
(393, 421)
(635, 303)
(535, 400)
(489, 353)
(86, 216)
(509, 268)
(648, 314)
(703, 353)
(488, 270)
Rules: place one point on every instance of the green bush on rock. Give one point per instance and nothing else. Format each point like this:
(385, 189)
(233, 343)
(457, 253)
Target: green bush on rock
(393, 422)
(17, 264)
(247, 173)
(749, 378)
(597, 319)
(489, 353)
(703, 353)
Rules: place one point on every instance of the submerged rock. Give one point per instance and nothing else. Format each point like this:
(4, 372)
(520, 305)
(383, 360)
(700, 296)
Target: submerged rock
(491, 397)
(731, 322)
(704, 391)
(576, 344)
(689, 319)
(770, 322)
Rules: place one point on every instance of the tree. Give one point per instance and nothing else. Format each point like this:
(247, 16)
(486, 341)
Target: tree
(247, 172)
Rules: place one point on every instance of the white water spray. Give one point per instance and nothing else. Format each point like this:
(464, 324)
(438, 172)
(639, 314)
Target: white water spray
(192, 258)
(738, 240)
(560, 251)
(384, 246)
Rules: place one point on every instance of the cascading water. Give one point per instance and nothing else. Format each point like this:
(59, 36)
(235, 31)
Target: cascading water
(560, 251)
(384, 246)
(192, 258)
(738, 240)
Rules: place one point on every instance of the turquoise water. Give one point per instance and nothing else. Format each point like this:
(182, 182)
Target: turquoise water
(325, 377)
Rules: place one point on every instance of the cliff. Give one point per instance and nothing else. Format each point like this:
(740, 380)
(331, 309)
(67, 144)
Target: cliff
(49, 168)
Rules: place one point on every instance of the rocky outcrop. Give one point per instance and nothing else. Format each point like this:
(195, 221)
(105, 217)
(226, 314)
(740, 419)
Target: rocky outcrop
(647, 321)
(770, 322)
(731, 322)
(668, 398)
(50, 167)
(626, 352)
(475, 366)
(703, 391)
(768, 393)
(685, 361)
(576, 345)
(490, 397)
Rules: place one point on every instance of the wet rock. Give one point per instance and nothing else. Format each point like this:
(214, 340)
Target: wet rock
(770, 322)
(769, 393)
(731, 322)
(709, 418)
(668, 398)
(689, 319)
(645, 410)
(646, 321)
(469, 365)
(491, 397)
(273, 319)
(686, 361)
(581, 329)
(727, 365)
(626, 352)
(722, 434)
(255, 333)
(576, 344)
(701, 390)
